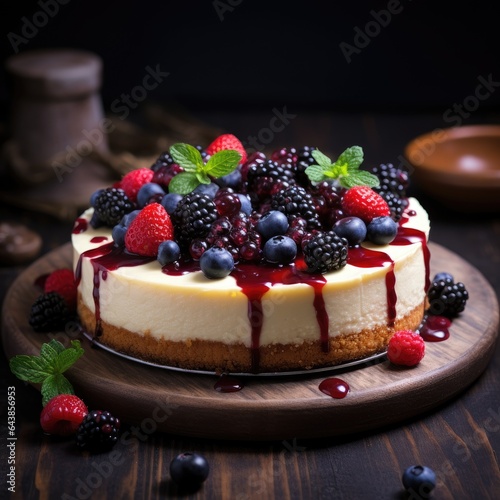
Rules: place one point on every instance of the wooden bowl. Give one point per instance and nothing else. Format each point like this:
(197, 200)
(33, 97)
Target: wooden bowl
(459, 166)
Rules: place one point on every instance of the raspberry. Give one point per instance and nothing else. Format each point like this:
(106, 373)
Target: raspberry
(99, 430)
(324, 252)
(151, 227)
(111, 204)
(227, 141)
(63, 414)
(365, 203)
(62, 281)
(406, 348)
(49, 312)
(133, 181)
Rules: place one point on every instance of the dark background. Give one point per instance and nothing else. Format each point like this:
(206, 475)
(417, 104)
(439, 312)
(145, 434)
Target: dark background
(248, 53)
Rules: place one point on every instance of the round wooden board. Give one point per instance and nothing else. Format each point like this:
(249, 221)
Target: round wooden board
(269, 407)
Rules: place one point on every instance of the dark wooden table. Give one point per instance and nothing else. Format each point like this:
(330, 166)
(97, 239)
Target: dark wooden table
(460, 440)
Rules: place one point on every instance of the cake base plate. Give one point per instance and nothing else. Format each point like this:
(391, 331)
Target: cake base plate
(268, 408)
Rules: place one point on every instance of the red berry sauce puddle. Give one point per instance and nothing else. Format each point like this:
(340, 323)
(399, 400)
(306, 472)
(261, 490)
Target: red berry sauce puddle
(334, 387)
(435, 328)
(228, 383)
(81, 225)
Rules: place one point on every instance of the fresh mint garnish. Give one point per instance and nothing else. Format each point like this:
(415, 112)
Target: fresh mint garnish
(345, 169)
(47, 369)
(196, 171)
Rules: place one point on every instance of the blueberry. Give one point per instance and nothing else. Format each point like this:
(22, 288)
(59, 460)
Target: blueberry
(118, 234)
(272, 223)
(189, 469)
(246, 205)
(168, 251)
(208, 189)
(128, 218)
(443, 277)
(170, 201)
(353, 229)
(216, 263)
(232, 180)
(381, 230)
(280, 250)
(147, 191)
(420, 480)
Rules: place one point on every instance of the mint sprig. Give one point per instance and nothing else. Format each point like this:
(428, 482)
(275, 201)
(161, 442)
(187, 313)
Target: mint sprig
(345, 169)
(47, 369)
(196, 171)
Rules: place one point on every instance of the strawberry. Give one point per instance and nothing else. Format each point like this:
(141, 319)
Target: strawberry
(63, 414)
(63, 282)
(133, 181)
(227, 141)
(151, 227)
(365, 203)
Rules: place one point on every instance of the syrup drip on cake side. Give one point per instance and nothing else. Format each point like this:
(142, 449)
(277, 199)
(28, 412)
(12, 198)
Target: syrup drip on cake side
(255, 280)
(104, 258)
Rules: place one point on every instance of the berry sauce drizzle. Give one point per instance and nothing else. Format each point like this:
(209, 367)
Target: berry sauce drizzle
(334, 387)
(409, 236)
(99, 239)
(81, 225)
(107, 257)
(367, 258)
(435, 328)
(254, 281)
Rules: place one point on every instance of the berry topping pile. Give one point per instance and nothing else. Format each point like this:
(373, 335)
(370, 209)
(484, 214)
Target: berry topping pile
(292, 204)
(406, 348)
(446, 298)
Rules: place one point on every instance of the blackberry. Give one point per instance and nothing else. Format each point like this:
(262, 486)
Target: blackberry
(99, 430)
(295, 201)
(164, 160)
(111, 204)
(192, 217)
(447, 298)
(49, 312)
(392, 179)
(324, 252)
(396, 204)
(304, 160)
(266, 178)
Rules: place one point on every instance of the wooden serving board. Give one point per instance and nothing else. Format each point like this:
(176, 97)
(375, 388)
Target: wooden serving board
(269, 407)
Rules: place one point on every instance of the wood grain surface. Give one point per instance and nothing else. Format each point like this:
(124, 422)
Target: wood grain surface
(270, 407)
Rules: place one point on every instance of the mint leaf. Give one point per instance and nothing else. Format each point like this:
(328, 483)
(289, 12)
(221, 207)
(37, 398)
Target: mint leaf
(29, 368)
(352, 157)
(68, 357)
(359, 178)
(53, 386)
(345, 170)
(203, 178)
(183, 183)
(222, 163)
(321, 159)
(188, 157)
(315, 173)
(47, 369)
